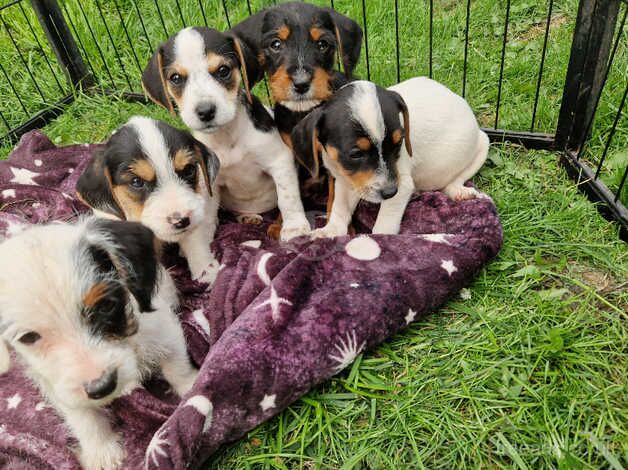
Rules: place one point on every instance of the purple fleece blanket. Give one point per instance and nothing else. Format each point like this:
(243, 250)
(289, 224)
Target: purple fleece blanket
(280, 319)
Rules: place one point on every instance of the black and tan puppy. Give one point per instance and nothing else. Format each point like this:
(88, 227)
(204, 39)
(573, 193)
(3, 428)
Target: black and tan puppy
(297, 44)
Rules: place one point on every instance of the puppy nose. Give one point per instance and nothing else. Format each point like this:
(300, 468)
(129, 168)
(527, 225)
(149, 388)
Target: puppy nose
(301, 86)
(301, 80)
(388, 192)
(206, 112)
(178, 220)
(102, 386)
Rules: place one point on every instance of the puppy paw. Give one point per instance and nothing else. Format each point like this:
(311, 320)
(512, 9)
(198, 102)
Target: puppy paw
(208, 274)
(329, 231)
(288, 232)
(185, 383)
(250, 219)
(104, 455)
(461, 193)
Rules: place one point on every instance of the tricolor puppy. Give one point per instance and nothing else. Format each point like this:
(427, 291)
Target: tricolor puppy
(199, 69)
(88, 310)
(158, 175)
(359, 135)
(297, 44)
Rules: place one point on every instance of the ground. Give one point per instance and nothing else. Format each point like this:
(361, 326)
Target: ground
(524, 369)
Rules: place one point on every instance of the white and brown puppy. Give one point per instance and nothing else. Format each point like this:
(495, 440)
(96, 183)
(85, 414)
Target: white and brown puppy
(88, 310)
(199, 69)
(359, 135)
(161, 176)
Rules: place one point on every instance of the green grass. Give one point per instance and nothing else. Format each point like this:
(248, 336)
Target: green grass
(530, 372)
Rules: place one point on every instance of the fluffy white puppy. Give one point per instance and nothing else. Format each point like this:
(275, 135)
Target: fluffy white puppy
(88, 310)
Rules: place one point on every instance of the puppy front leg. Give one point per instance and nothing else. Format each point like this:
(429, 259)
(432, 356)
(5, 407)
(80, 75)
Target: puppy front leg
(284, 173)
(176, 366)
(391, 210)
(195, 246)
(345, 202)
(100, 446)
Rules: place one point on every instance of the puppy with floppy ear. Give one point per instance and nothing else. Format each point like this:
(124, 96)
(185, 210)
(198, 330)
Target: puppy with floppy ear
(198, 69)
(358, 135)
(297, 44)
(88, 311)
(158, 175)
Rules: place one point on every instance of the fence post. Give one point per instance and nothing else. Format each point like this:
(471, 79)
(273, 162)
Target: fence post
(62, 42)
(593, 34)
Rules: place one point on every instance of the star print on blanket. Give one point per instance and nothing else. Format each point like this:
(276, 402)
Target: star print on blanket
(280, 318)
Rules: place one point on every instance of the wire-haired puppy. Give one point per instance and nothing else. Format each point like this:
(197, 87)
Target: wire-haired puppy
(297, 44)
(88, 310)
(199, 69)
(158, 175)
(360, 137)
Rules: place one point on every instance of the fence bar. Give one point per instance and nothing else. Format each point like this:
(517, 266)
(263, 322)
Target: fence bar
(161, 18)
(38, 121)
(24, 63)
(596, 190)
(200, 5)
(595, 26)
(224, 7)
(366, 41)
(10, 82)
(501, 66)
(128, 37)
(116, 53)
(139, 15)
(466, 49)
(183, 25)
(397, 40)
(96, 43)
(583, 140)
(41, 49)
(530, 140)
(4, 121)
(80, 42)
(61, 41)
(621, 184)
(612, 132)
(431, 33)
(538, 82)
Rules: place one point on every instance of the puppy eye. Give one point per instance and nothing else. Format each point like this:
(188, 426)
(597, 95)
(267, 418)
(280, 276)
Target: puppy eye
(223, 71)
(30, 338)
(356, 153)
(137, 182)
(188, 172)
(176, 79)
(322, 45)
(275, 45)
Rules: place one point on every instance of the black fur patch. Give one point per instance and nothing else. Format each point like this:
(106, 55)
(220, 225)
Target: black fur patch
(261, 118)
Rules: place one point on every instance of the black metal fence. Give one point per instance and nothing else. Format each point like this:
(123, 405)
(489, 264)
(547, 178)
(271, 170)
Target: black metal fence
(52, 49)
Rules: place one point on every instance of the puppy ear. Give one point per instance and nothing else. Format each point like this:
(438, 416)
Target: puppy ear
(5, 357)
(349, 38)
(94, 187)
(403, 108)
(130, 249)
(305, 141)
(154, 82)
(247, 35)
(250, 67)
(210, 165)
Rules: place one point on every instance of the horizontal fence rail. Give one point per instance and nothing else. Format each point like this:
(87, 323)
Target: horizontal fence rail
(498, 55)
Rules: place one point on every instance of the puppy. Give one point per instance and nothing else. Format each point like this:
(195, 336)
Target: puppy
(360, 136)
(89, 312)
(297, 44)
(199, 69)
(158, 175)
